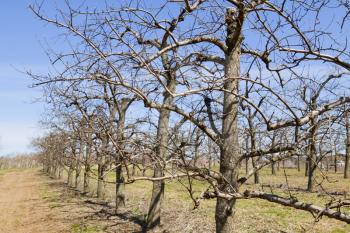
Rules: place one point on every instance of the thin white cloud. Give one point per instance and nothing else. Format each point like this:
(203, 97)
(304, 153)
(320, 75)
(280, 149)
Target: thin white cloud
(16, 137)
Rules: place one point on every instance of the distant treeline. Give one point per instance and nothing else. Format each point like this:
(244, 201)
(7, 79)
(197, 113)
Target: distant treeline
(19, 161)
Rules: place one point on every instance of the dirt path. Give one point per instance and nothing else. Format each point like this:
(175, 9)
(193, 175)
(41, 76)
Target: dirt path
(23, 207)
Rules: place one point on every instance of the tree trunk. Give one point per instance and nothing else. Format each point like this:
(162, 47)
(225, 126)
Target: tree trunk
(306, 162)
(70, 176)
(60, 172)
(133, 170)
(273, 163)
(306, 166)
(253, 148)
(87, 169)
(101, 170)
(100, 181)
(52, 168)
(57, 169)
(86, 185)
(229, 149)
(347, 152)
(256, 173)
(154, 212)
(120, 185)
(273, 169)
(247, 159)
(312, 156)
(78, 167)
(196, 148)
(210, 151)
(335, 159)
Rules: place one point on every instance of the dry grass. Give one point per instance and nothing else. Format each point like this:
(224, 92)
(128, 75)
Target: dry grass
(251, 215)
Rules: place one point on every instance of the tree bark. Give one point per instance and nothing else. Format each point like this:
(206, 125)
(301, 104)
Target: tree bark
(101, 169)
(210, 155)
(87, 169)
(100, 182)
(247, 159)
(273, 169)
(292, 202)
(256, 173)
(347, 150)
(298, 162)
(306, 166)
(253, 148)
(119, 178)
(70, 176)
(196, 147)
(86, 185)
(154, 212)
(78, 166)
(312, 156)
(229, 150)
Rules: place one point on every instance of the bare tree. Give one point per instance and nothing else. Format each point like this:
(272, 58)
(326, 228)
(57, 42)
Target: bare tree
(195, 56)
(347, 142)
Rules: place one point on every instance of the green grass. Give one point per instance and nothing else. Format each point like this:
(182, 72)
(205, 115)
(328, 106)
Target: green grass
(50, 196)
(4, 171)
(78, 228)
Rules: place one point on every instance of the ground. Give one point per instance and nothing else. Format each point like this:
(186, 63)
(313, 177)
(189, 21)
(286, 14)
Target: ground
(32, 202)
(23, 207)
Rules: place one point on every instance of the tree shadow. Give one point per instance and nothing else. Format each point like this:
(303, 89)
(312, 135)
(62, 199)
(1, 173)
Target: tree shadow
(96, 210)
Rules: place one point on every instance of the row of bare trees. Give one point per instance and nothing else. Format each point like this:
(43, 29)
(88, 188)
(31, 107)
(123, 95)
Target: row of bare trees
(177, 87)
(19, 161)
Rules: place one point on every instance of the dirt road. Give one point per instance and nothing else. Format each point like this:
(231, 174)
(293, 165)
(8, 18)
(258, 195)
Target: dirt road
(23, 208)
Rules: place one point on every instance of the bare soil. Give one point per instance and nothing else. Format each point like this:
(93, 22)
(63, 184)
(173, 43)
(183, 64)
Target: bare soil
(23, 207)
(31, 202)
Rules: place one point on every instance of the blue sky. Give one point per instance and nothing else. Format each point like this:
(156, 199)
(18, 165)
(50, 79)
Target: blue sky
(21, 39)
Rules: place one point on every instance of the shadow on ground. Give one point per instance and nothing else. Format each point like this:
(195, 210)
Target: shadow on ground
(84, 212)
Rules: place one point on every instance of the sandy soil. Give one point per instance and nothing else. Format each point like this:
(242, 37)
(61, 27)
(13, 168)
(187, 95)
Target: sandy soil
(23, 207)
(31, 202)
